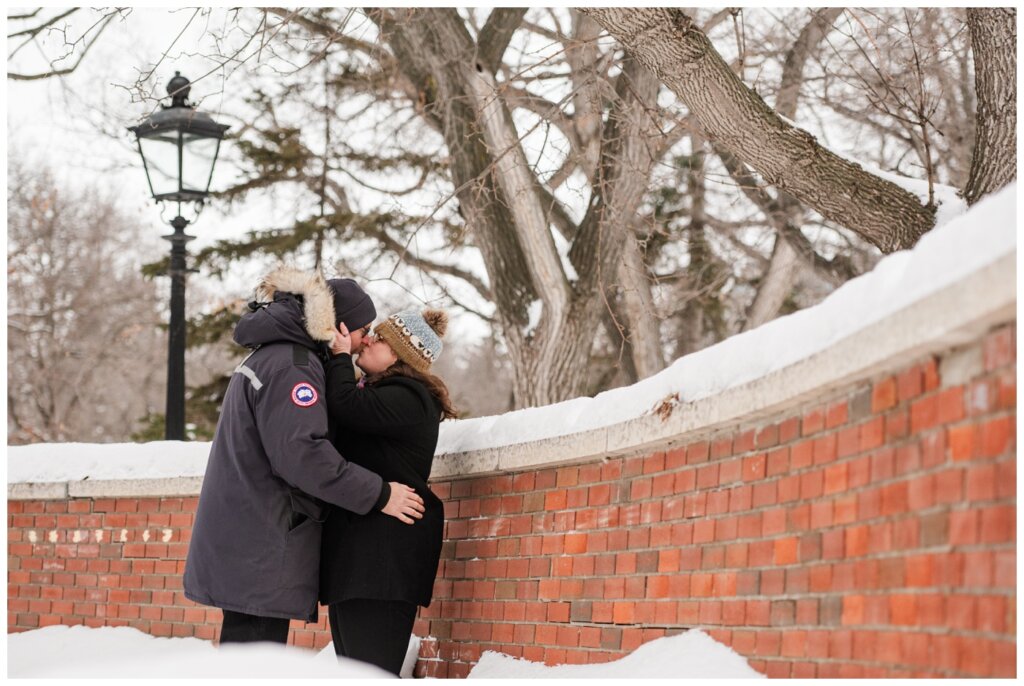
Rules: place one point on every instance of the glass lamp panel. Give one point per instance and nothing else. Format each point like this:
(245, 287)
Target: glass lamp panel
(198, 158)
(161, 157)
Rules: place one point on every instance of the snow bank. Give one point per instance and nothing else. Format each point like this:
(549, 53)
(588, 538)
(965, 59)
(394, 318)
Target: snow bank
(691, 655)
(81, 652)
(947, 254)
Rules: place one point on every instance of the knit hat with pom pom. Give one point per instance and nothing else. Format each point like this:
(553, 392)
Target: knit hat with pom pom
(415, 336)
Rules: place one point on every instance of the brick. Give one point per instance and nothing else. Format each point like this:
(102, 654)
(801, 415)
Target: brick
(744, 442)
(897, 424)
(903, 610)
(934, 529)
(883, 395)
(785, 551)
(622, 612)
(847, 442)
(821, 514)
(812, 484)
(997, 436)
(777, 461)
(773, 582)
(949, 486)
(789, 429)
(826, 448)
(799, 518)
(810, 547)
(909, 384)
(962, 442)
(767, 436)
(754, 467)
(951, 405)
(961, 612)
(981, 482)
(773, 521)
(894, 498)
(921, 492)
(783, 612)
(707, 476)
(836, 478)
(802, 454)
(924, 414)
(998, 524)
(836, 415)
(765, 494)
(788, 489)
(813, 422)
(697, 452)
(856, 541)
(768, 643)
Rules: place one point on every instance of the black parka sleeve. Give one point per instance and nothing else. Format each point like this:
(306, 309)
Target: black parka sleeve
(291, 417)
(373, 410)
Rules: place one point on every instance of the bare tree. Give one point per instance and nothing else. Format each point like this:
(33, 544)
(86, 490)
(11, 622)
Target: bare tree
(84, 347)
(518, 165)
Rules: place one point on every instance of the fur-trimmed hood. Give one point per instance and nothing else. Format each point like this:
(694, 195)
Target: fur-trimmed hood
(318, 301)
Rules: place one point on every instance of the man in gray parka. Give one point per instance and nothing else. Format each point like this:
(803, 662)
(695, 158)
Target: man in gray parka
(255, 549)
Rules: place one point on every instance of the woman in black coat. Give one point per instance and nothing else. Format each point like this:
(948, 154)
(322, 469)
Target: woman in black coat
(374, 569)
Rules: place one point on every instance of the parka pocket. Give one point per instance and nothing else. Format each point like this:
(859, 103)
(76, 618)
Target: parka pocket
(300, 563)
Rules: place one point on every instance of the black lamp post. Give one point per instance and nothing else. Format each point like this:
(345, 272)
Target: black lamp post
(179, 147)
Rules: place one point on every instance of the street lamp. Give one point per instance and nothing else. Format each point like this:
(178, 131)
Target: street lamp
(179, 147)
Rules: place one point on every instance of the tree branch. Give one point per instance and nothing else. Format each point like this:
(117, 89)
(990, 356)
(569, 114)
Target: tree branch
(495, 35)
(667, 42)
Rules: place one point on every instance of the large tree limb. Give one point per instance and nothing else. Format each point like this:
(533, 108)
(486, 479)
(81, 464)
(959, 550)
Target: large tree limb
(994, 39)
(517, 185)
(668, 43)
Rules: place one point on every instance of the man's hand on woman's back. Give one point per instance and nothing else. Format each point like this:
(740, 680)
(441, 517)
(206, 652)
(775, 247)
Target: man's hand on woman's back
(404, 504)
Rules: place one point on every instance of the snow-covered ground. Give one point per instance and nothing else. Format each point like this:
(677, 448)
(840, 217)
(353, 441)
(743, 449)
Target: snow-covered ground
(123, 652)
(690, 655)
(962, 246)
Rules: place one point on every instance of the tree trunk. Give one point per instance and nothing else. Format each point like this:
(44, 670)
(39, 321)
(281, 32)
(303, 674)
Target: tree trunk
(668, 43)
(643, 327)
(498, 197)
(994, 40)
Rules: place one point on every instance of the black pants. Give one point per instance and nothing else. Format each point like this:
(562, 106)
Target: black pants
(239, 627)
(374, 631)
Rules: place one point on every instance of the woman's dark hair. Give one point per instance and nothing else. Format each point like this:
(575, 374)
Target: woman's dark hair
(435, 386)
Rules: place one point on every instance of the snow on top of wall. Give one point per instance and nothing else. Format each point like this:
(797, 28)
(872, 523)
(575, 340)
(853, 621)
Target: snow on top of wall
(964, 245)
(950, 252)
(690, 655)
(53, 462)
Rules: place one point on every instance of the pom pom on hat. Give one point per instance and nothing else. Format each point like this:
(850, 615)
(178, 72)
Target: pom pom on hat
(438, 321)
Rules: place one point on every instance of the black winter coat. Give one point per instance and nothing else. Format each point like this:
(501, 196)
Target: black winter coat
(391, 428)
(255, 544)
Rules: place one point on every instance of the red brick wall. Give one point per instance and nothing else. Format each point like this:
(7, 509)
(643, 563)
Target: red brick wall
(870, 534)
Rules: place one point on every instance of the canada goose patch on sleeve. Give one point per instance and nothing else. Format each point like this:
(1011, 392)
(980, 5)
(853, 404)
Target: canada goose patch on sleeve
(304, 394)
